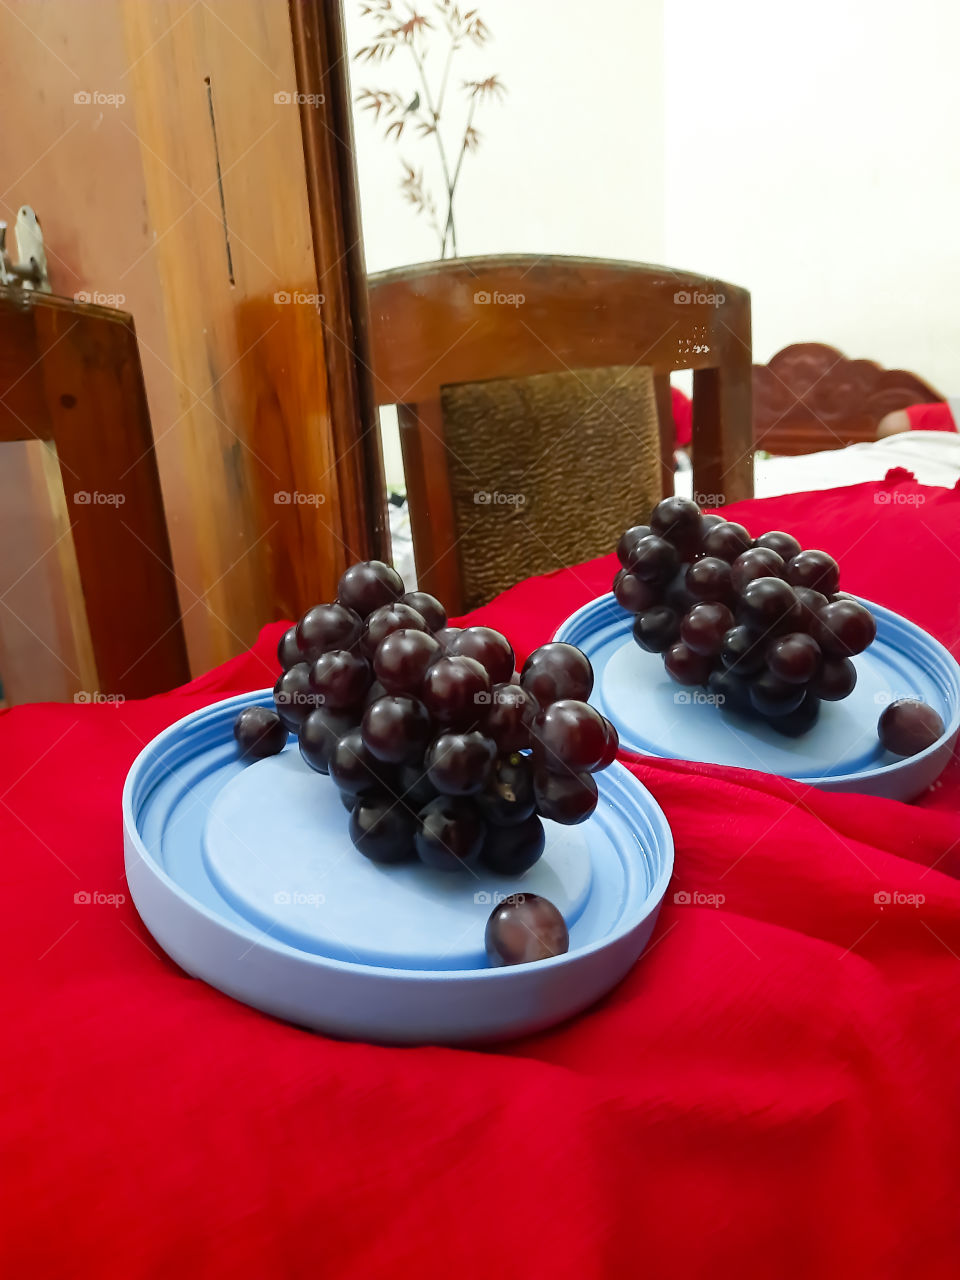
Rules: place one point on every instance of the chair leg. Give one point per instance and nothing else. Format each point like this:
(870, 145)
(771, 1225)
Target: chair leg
(431, 502)
(723, 433)
(661, 383)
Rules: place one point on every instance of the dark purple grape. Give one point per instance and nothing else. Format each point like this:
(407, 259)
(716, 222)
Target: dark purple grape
(445, 636)
(429, 608)
(845, 628)
(704, 627)
(772, 696)
(508, 797)
(293, 696)
(348, 801)
(730, 691)
(628, 540)
(568, 798)
(836, 679)
(326, 627)
(710, 522)
(288, 651)
(414, 786)
(811, 602)
(341, 679)
(758, 562)
(685, 666)
(784, 544)
(743, 650)
(384, 621)
(456, 692)
(611, 744)
(368, 585)
(726, 541)
(909, 726)
(680, 521)
(508, 717)
(460, 764)
(510, 851)
(353, 767)
(486, 646)
(676, 596)
(770, 605)
(653, 560)
(402, 659)
(556, 671)
(815, 570)
(450, 833)
(396, 729)
(633, 594)
(320, 733)
(383, 829)
(375, 691)
(709, 579)
(259, 733)
(656, 629)
(569, 736)
(525, 928)
(799, 721)
(795, 658)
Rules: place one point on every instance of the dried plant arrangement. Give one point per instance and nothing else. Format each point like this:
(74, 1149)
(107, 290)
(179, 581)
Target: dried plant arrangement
(426, 110)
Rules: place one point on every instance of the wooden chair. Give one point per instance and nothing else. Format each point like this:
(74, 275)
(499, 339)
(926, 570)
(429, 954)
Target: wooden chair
(70, 376)
(810, 396)
(437, 326)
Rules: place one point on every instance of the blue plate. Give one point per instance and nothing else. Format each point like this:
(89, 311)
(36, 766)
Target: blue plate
(245, 874)
(654, 716)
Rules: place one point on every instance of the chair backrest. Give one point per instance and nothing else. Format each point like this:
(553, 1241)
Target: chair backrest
(810, 396)
(472, 320)
(70, 375)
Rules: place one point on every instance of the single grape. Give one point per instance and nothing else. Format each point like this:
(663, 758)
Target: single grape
(429, 608)
(396, 729)
(686, 666)
(525, 928)
(726, 540)
(325, 627)
(510, 851)
(743, 650)
(758, 562)
(320, 733)
(836, 679)
(770, 605)
(341, 679)
(795, 658)
(772, 696)
(709, 580)
(569, 736)
(383, 829)
(704, 628)
(348, 801)
(486, 646)
(413, 786)
(814, 570)
(456, 692)
(450, 833)
(375, 691)
(508, 717)
(845, 628)
(293, 696)
(568, 798)
(556, 671)
(656, 629)
(384, 621)
(628, 541)
(611, 744)
(288, 651)
(909, 726)
(352, 766)
(653, 560)
(731, 692)
(460, 764)
(259, 733)
(811, 602)
(680, 521)
(799, 721)
(633, 594)
(402, 659)
(508, 797)
(677, 596)
(784, 544)
(445, 636)
(368, 585)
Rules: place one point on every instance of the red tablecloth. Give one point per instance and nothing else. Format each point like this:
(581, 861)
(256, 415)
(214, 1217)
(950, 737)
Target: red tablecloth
(771, 1092)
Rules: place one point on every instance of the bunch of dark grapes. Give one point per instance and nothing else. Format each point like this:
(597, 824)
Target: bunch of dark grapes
(760, 623)
(440, 749)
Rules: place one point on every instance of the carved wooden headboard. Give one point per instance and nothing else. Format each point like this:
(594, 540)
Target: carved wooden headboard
(811, 396)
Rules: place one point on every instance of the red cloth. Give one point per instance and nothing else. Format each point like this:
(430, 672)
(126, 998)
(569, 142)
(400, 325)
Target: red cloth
(930, 417)
(771, 1092)
(682, 407)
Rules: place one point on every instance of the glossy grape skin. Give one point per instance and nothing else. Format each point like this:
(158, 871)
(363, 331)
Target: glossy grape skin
(799, 721)
(456, 692)
(383, 829)
(383, 621)
(845, 628)
(743, 650)
(685, 666)
(632, 593)
(429, 608)
(628, 540)
(368, 585)
(341, 679)
(569, 736)
(353, 767)
(326, 627)
(294, 697)
(460, 764)
(523, 929)
(836, 679)
(259, 733)
(731, 691)
(784, 544)
(569, 798)
(704, 627)
(396, 729)
(411, 783)
(445, 636)
(679, 521)
(815, 570)
(656, 629)
(288, 651)
(508, 797)
(402, 659)
(710, 522)
(676, 596)
(488, 647)
(758, 562)
(909, 726)
(770, 605)
(450, 833)
(709, 579)
(795, 658)
(611, 744)
(556, 671)
(508, 717)
(510, 851)
(726, 541)
(772, 696)
(811, 602)
(320, 733)
(653, 560)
